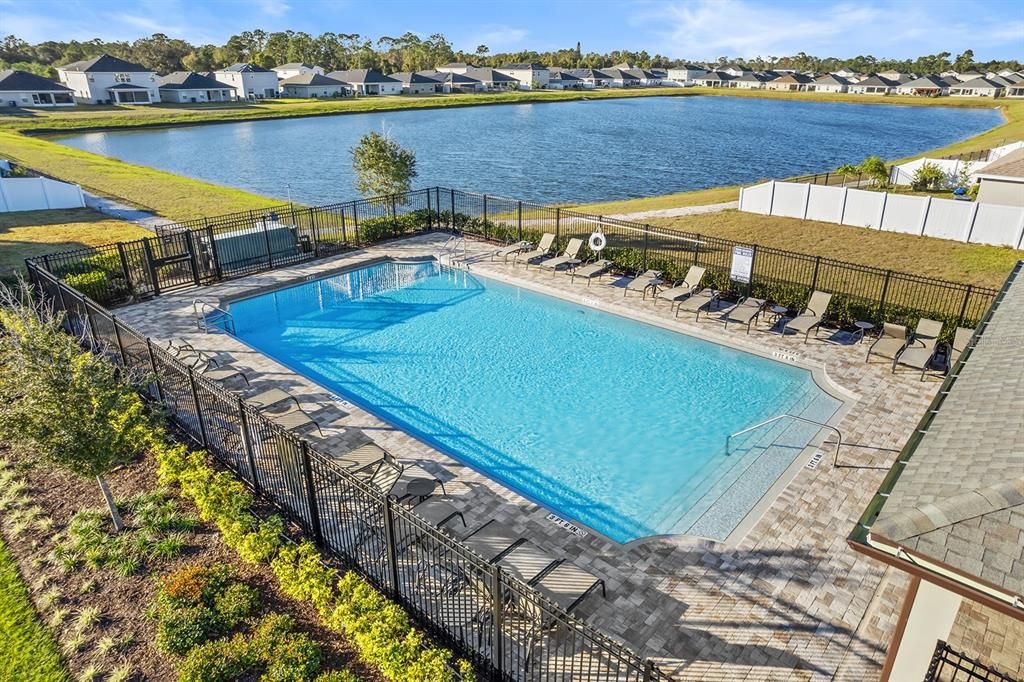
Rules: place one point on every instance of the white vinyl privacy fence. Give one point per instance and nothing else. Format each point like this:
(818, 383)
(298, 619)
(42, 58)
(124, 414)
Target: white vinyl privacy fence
(38, 194)
(963, 221)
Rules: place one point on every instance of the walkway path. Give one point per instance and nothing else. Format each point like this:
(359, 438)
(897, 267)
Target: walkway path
(144, 219)
(674, 212)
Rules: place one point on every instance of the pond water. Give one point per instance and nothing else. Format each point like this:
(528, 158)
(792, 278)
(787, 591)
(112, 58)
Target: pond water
(579, 151)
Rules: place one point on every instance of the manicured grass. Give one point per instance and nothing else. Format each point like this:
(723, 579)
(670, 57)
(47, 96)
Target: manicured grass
(976, 264)
(33, 233)
(27, 649)
(715, 195)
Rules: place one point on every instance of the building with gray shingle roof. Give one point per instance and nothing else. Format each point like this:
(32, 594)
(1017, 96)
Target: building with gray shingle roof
(311, 85)
(367, 82)
(24, 89)
(977, 87)
(930, 85)
(416, 83)
(188, 86)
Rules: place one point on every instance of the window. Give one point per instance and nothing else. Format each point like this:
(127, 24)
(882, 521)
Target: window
(123, 77)
(63, 98)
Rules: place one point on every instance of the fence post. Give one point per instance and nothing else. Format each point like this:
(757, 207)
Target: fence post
(266, 238)
(124, 264)
(497, 615)
(771, 199)
(213, 253)
(753, 266)
(430, 217)
(389, 536)
(647, 235)
(452, 225)
(199, 410)
(88, 321)
(696, 249)
(344, 230)
(814, 277)
(885, 292)
(314, 509)
(117, 337)
(149, 265)
(648, 670)
(558, 224)
(193, 263)
(963, 307)
(485, 216)
(394, 209)
(519, 219)
(243, 426)
(156, 375)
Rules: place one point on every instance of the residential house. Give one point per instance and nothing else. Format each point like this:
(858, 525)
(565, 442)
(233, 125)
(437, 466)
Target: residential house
(969, 76)
(925, 86)
(592, 78)
(24, 89)
(749, 81)
(735, 70)
(791, 82)
(685, 74)
(848, 74)
(1015, 90)
(455, 67)
(897, 76)
(977, 87)
(292, 69)
(250, 81)
(312, 86)
(830, 82)
(1002, 181)
(530, 76)
(367, 82)
(643, 76)
(110, 80)
(873, 85)
(714, 79)
(417, 83)
(453, 82)
(492, 79)
(619, 78)
(183, 87)
(564, 80)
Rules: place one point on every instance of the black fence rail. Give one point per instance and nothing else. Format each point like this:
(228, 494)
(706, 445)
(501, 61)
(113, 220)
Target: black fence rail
(505, 627)
(950, 665)
(201, 252)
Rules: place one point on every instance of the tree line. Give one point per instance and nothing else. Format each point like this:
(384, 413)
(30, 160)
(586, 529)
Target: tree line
(410, 52)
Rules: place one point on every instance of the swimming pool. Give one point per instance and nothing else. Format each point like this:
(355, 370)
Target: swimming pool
(611, 423)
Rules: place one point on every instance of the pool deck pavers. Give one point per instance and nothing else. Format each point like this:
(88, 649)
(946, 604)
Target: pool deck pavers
(788, 601)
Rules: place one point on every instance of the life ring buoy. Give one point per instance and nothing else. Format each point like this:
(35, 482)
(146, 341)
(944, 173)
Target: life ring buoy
(597, 242)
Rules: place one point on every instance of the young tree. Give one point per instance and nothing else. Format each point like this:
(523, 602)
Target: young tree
(382, 165)
(874, 167)
(60, 404)
(929, 176)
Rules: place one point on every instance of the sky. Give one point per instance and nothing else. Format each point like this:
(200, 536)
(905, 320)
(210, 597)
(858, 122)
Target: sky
(684, 29)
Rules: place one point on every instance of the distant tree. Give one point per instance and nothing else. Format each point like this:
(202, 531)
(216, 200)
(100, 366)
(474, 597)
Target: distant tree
(382, 166)
(874, 167)
(482, 50)
(160, 53)
(203, 58)
(964, 61)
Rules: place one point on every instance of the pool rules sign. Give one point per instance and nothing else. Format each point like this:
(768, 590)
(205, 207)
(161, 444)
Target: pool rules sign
(742, 264)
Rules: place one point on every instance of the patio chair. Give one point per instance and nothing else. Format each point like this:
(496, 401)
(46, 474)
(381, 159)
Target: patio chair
(568, 585)
(812, 316)
(492, 540)
(570, 257)
(747, 312)
(889, 343)
(203, 363)
(543, 249)
(527, 562)
(921, 348)
(961, 338)
(683, 287)
(511, 250)
(647, 280)
(700, 301)
(596, 268)
(292, 417)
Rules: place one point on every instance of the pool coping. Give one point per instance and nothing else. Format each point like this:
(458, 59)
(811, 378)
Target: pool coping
(818, 372)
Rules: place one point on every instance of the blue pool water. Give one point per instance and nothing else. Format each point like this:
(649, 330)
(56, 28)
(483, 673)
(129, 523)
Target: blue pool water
(606, 421)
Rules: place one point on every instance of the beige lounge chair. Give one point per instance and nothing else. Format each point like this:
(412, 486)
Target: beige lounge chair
(648, 280)
(890, 342)
(290, 417)
(568, 585)
(543, 249)
(921, 349)
(591, 270)
(746, 312)
(812, 316)
(697, 302)
(683, 287)
(204, 364)
(569, 257)
(511, 250)
(961, 339)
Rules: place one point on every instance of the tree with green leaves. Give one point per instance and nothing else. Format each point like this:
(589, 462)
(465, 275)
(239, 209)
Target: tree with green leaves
(929, 176)
(382, 165)
(874, 167)
(62, 405)
(964, 61)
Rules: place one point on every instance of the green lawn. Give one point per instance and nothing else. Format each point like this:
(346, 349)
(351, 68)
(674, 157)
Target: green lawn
(27, 649)
(33, 233)
(976, 264)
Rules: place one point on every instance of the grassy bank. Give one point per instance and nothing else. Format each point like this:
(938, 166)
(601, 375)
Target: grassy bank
(27, 649)
(976, 264)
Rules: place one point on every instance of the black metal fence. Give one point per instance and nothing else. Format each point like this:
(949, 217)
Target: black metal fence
(950, 665)
(505, 627)
(203, 251)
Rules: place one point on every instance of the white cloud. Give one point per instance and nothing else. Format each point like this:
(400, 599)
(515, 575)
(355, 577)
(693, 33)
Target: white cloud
(500, 38)
(273, 8)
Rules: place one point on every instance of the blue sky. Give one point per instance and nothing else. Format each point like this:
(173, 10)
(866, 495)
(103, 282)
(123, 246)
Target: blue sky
(691, 29)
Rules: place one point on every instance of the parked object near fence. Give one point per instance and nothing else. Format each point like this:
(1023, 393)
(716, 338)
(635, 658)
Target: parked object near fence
(963, 221)
(38, 194)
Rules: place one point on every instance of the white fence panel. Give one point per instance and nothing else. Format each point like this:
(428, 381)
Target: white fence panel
(999, 225)
(36, 194)
(62, 194)
(949, 219)
(756, 199)
(904, 213)
(790, 199)
(825, 203)
(863, 208)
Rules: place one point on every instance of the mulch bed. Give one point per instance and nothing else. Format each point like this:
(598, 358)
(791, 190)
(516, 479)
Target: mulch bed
(124, 600)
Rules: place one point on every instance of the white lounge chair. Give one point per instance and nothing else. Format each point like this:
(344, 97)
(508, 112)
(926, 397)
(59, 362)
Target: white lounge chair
(684, 287)
(812, 316)
(921, 348)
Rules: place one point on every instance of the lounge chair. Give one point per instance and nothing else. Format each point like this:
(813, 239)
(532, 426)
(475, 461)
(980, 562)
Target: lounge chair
(697, 302)
(543, 249)
(568, 585)
(812, 316)
(890, 342)
(746, 312)
(570, 257)
(511, 250)
(921, 349)
(360, 458)
(492, 540)
(961, 338)
(647, 280)
(683, 287)
(591, 270)
(292, 417)
(204, 364)
(527, 562)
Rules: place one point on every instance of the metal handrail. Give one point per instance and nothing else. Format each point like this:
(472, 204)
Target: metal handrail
(203, 308)
(835, 459)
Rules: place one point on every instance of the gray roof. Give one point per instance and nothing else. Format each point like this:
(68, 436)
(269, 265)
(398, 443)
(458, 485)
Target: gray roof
(310, 79)
(751, 76)
(360, 76)
(832, 79)
(716, 76)
(927, 82)
(14, 80)
(960, 497)
(620, 74)
(481, 73)
(877, 81)
(293, 65)
(794, 78)
(105, 64)
(979, 83)
(246, 68)
(457, 65)
(190, 80)
(535, 67)
(446, 77)
(563, 75)
(590, 74)
(127, 86)
(410, 77)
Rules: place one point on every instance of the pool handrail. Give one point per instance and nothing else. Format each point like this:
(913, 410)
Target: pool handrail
(772, 420)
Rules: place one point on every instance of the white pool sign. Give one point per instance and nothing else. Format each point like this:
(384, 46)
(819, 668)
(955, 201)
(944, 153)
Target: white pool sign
(571, 527)
(742, 264)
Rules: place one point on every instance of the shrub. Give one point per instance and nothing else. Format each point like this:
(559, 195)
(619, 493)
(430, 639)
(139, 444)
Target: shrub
(95, 284)
(928, 176)
(273, 652)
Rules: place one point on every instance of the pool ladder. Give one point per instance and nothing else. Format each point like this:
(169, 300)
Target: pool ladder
(779, 417)
(210, 316)
(450, 251)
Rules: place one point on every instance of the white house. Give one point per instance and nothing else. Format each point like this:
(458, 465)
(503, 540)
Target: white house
(312, 85)
(791, 82)
(530, 76)
(1002, 181)
(686, 74)
(925, 86)
(872, 85)
(735, 70)
(977, 87)
(367, 82)
(714, 79)
(620, 78)
(749, 81)
(492, 78)
(417, 83)
(249, 80)
(846, 73)
(110, 80)
(286, 71)
(830, 82)
(183, 87)
(563, 80)
(453, 82)
(1015, 90)
(455, 67)
(592, 78)
(24, 89)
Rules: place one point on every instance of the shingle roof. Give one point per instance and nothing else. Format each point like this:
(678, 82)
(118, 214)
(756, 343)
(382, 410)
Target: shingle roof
(523, 66)
(190, 80)
(12, 79)
(877, 81)
(310, 79)
(361, 76)
(1011, 165)
(979, 83)
(105, 64)
(457, 65)
(927, 82)
(293, 65)
(409, 77)
(446, 77)
(794, 78)
(126, 86)
(716, 76)
(245, 68)
(590, 74)
(485, 74)
(563, 75)
(832, 79)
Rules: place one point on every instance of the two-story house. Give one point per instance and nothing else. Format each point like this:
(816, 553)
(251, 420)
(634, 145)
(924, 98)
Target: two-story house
(290, 70)
(110, 80)
(530, 76)
(249, 80)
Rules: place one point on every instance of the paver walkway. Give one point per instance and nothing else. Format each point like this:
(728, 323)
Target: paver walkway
(115, 209)
(674, 212)
(789, 601)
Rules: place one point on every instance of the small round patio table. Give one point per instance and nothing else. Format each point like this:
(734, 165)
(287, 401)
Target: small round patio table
(862, 328)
